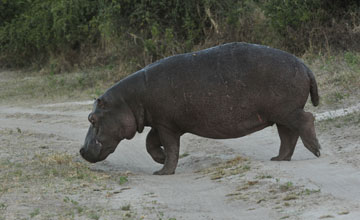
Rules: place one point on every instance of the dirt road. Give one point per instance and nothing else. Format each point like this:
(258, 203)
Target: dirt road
(209, 183)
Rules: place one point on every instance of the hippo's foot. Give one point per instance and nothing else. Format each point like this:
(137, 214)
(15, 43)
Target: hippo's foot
(164, 172)
(280, 158)
(288, 140)
(313, 146)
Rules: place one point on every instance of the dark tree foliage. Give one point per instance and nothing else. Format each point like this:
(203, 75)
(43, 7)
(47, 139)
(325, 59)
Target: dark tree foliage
(323, 23)
(142, 31)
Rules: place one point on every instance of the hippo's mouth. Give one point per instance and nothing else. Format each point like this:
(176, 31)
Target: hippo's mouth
(105, 151)
(97, 150)
(97, 142)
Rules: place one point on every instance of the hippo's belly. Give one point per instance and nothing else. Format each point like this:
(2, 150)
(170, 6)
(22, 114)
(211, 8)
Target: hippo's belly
(219, 120)
(223, 132)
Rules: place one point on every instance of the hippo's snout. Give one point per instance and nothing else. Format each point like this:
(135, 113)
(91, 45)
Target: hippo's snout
(88, 156)
(82, 150)
(83, 153)
(94, 151)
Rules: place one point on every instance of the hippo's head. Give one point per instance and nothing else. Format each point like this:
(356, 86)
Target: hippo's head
(111, 121)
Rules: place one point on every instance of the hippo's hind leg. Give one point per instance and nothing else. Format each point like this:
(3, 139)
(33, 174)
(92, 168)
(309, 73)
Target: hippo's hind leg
(307, 133)
(288, 140)
(153, 146)
(303, 123)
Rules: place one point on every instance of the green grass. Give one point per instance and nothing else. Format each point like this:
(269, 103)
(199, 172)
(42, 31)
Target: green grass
(352, 119)
(286, 186)
(93, 215)
(126, 207)
(311, 191)
(35, 213)
(123, 180)
(264, 176)
(3, 206)
(290, 197)
(337, 75)
(85, 84)
(326, 216)
(184, 155)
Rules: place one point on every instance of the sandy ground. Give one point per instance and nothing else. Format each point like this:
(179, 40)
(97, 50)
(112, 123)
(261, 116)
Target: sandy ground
(208, 184)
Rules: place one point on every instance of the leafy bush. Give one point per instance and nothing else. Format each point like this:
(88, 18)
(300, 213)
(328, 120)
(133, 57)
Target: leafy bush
(64, 33)
(11, 9)
(161, 28)
(315, 24)
(46, 28)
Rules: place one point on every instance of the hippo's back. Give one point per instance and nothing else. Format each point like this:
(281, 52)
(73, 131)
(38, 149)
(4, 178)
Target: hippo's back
(225, 86)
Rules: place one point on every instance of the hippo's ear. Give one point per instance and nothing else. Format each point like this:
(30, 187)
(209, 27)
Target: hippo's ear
(128, 122)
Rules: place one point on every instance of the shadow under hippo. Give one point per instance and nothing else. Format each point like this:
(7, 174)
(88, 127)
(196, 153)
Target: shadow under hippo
(227, 91)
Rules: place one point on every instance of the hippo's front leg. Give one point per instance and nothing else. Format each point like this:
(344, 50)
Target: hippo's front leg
(171, 142)
(153, 146)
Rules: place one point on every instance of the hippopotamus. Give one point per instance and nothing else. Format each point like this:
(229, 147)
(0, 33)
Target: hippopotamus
(226, 91)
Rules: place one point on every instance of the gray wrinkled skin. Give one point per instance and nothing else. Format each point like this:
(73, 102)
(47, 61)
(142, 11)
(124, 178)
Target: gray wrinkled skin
(227, 91)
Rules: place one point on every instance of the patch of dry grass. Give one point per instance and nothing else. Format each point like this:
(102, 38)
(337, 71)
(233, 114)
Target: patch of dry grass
(20, 86)
(50, 184)
(350, 120)
(338, 77)
(236, 166)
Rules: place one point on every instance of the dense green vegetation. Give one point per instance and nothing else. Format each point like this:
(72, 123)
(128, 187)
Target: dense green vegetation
(67, 33)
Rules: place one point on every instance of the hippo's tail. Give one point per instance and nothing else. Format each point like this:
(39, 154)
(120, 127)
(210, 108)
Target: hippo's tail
(313, 88)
